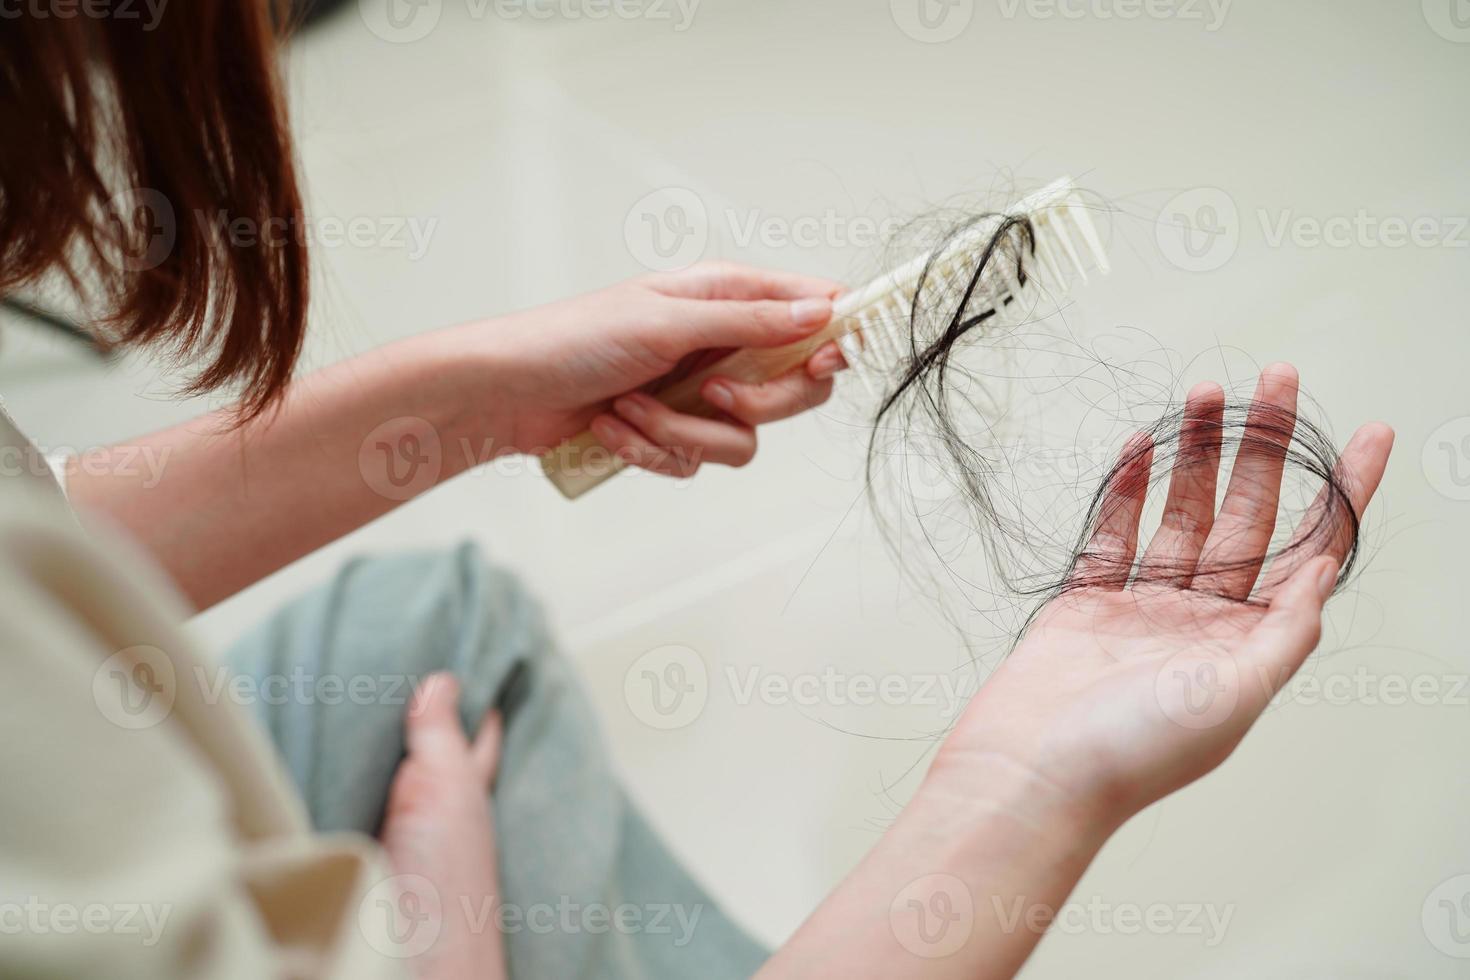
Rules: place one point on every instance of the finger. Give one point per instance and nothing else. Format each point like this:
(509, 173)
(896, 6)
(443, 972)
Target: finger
(1331, 520)
(433, 726)
(485, 750)
(636, 449)
(1189, 509)
(1108, 558)
(699, 440)
(826, 362)
(731, 280)
(1236, 546)
(1277, 646)
(769, 401)
(726, 323)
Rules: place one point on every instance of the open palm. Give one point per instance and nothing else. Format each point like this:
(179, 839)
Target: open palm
(1138, 680)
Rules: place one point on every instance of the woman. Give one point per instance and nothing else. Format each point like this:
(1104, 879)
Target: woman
(133, 785)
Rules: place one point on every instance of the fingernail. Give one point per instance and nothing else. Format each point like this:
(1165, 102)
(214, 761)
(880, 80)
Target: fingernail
(630, 409)
(811, 312)
(826, 363)
(1327, 580)
(718, 394)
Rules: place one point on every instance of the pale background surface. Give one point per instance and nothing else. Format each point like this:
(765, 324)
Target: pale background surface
(530, 143)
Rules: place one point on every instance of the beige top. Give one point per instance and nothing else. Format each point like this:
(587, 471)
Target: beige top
(145, 832)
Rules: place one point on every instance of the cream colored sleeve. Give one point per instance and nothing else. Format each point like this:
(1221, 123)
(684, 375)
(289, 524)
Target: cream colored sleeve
(145, 832)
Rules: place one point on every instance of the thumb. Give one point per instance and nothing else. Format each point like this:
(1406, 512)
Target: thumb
(722, 323)
(1291, 628)
(433, 726)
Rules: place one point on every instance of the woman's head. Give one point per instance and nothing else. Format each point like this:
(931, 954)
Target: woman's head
(146, 157)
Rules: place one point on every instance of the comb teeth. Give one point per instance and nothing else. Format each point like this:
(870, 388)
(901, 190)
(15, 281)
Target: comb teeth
(876, 335)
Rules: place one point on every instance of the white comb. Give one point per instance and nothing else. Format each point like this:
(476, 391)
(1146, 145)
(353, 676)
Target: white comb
(869, 324)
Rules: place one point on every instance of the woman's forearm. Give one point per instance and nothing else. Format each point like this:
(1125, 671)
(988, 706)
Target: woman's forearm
(221, 508)
(962, 886)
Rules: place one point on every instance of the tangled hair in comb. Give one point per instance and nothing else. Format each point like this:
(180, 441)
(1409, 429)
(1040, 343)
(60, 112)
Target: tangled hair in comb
(931, 406)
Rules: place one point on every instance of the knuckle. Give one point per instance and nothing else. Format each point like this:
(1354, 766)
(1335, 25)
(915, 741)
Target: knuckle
(657, 426)
(1186, 522)
(820, 393)
(768, 316)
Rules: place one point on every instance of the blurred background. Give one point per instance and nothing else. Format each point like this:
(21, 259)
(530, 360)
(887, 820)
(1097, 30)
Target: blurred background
(1274, 181)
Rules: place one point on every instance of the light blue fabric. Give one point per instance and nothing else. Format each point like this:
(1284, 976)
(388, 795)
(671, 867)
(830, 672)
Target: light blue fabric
(570, 842)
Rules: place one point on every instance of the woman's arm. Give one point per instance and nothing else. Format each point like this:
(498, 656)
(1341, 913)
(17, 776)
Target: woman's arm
(223, 507)
(961, 886)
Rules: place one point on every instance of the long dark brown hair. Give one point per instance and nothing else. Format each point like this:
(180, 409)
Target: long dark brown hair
(146, 160)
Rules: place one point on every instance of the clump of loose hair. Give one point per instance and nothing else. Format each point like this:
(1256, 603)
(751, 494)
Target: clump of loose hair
(932, 410)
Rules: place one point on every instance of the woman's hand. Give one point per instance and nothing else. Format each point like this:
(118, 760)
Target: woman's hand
(591, 361)
(440, 838)
(1118, 695)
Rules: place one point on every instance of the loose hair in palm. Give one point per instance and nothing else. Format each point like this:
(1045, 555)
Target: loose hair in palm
(944, 413)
